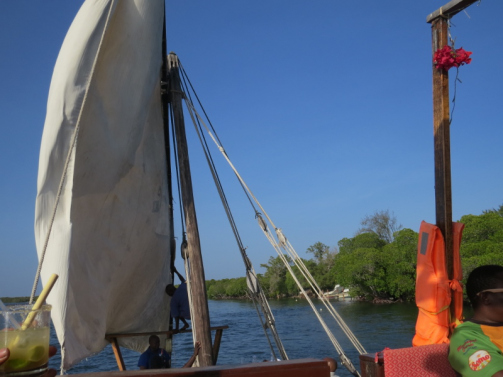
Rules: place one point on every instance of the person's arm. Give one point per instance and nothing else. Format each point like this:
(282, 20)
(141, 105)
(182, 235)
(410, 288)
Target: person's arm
(197, 347)
(499, 374)
(143, 361)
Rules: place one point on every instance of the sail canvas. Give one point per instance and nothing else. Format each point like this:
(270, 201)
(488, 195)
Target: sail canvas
(103, 141)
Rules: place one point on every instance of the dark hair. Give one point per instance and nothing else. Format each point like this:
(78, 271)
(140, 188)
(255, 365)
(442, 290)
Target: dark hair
(152, 337)
(481, 278)
(170, 289)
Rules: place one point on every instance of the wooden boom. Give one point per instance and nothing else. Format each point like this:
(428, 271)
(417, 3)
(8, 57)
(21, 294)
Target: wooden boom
(450, 9)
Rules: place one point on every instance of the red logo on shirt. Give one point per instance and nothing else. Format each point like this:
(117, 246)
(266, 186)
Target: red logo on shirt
(466, 345)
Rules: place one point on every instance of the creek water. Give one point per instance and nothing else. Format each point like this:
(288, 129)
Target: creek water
(375, 325)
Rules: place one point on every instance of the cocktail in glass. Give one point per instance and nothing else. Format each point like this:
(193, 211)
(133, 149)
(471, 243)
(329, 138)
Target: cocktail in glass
(27, 338)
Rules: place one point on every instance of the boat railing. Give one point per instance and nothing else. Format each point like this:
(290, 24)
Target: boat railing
(285, 368)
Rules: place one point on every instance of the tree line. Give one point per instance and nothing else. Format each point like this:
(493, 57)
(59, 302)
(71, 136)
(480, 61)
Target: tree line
(378, 263)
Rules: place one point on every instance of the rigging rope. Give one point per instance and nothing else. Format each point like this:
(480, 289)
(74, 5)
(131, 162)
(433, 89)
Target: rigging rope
(189, 294)
(257, 295)
(175, 152)
(280, 243)
(186, 80)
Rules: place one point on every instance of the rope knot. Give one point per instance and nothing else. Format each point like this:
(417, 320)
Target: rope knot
(455, 285)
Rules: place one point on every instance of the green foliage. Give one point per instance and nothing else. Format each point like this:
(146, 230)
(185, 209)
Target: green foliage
(275, 277)
(290, 284)
(400, 257)
(292, 289)
(482, 241)
(320, 267)
(488, 226)
(319, 250)
(15, 300)
(376, 269)
(360, 270)
(363, 240)
(237, 288)
(378, 263)
(499, 211)
(226, 288)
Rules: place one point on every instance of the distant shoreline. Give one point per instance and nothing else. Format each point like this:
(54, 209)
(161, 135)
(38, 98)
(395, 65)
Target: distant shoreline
(15, 300)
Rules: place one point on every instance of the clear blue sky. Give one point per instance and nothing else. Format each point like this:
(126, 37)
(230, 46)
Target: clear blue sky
(324, 106)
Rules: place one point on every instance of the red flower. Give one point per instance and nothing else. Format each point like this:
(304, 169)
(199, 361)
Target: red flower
(446, 58)
(463, 57)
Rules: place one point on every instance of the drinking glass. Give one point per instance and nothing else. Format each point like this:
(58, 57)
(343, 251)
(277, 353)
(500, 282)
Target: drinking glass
(26, 334)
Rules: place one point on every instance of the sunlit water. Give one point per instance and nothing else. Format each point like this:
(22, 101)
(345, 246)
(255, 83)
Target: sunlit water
(375, 326)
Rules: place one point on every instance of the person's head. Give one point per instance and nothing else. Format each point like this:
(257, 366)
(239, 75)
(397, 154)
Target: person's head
(480, 287)
(154, 342)
(170, 290)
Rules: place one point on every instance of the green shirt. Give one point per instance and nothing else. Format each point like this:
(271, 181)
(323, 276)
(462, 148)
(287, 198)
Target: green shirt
(476, 349)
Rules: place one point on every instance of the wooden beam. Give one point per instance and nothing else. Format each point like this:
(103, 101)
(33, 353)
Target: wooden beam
(216, 344)
(165, 332)
(289, 368)
(450, 9)
(442, 147)
(118, 354)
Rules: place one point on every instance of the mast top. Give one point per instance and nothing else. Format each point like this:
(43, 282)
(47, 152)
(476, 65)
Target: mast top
(450, 9)
(173, 60)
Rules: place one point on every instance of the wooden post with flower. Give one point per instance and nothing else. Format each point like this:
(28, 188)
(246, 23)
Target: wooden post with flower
(444, 58)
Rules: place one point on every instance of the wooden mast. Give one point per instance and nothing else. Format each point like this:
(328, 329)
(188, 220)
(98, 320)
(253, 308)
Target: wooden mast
(201, 318)
(441, 129)
(165, 120)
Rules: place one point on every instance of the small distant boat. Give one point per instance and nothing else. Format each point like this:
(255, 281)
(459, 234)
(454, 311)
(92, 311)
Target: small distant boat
(338, 292)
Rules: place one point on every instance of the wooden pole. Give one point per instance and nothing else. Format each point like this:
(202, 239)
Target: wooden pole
(201, 317)
(442, 150)
(441, 127)
(165, 118)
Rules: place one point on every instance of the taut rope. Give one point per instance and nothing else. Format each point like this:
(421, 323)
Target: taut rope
(280, 243)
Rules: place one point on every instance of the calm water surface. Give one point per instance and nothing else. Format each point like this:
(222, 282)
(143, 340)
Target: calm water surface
(375, 326)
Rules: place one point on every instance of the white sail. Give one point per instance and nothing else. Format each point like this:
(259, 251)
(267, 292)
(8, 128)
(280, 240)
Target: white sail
(109, 242)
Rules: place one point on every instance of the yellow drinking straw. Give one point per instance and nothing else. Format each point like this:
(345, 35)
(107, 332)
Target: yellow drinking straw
(40, 301)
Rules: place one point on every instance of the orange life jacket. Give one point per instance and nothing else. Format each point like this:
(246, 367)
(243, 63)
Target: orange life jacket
(434, 290)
